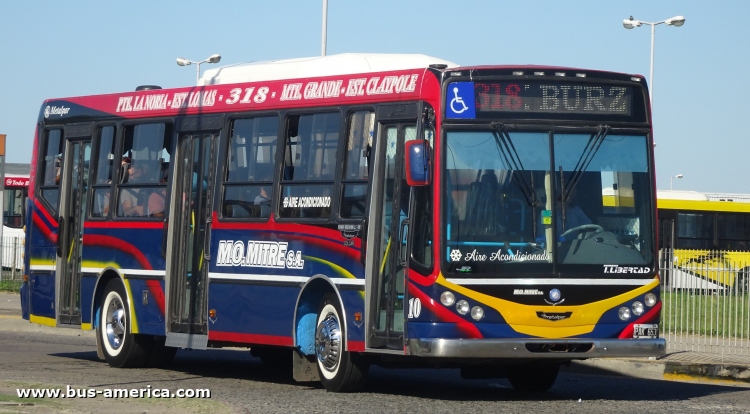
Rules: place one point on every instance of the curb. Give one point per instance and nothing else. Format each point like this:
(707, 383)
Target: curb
(728, 374)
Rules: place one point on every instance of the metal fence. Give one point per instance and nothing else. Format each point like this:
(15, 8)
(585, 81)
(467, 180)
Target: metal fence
(12, 258)
(705, 301)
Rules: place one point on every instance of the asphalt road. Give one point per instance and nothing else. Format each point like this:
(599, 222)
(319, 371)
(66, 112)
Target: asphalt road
(241, 383)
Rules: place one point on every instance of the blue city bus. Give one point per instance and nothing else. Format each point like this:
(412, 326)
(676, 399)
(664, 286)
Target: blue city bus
(337, 212)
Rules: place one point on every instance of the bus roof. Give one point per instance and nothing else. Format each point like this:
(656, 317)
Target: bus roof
(332, 65)
(696, 201)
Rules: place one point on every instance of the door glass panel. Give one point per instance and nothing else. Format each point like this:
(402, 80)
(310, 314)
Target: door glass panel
(193, 186)
(69, 246)
(386, 250)
(80, 157)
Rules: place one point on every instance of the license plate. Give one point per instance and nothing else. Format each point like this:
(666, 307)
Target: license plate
(646, 331)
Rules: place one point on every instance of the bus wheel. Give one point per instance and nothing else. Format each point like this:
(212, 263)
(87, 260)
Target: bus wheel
(339, 370)
(532, 377)
(122, 349)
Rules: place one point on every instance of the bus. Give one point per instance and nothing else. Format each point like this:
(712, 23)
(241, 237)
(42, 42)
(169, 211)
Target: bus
(704, 239)
(14, 212)
(336, 212)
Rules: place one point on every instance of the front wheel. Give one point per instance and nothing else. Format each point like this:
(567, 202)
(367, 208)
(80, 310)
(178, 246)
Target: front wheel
(122, 349)
(532, 377)
(339, 370)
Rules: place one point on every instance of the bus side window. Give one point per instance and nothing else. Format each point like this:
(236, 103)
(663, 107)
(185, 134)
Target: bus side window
(309, 165)
(248, 188)
(104, 170)
(143, 170)
(51, 167)
(357, 163)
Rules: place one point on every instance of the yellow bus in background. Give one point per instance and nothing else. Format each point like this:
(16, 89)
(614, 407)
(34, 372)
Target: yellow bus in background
(704, 238)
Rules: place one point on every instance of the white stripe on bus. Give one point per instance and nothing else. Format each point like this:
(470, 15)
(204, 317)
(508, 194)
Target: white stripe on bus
(280, 278)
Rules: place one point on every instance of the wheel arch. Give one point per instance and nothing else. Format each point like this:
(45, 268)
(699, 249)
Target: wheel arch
(308, 300)
(102, 280)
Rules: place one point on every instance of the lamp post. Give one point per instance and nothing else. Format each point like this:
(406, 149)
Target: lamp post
(325, 28)
(676, 21)
(672, 177)
(185, 62)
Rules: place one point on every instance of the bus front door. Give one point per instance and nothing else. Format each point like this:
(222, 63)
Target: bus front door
(390, 229)
(189, 240)
(70, 230)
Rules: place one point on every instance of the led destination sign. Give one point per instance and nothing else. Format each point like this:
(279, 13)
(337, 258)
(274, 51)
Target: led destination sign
(545, 99)
(553, 97)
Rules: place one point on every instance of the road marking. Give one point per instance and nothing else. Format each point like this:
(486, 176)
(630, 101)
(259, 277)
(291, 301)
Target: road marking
(10, 316)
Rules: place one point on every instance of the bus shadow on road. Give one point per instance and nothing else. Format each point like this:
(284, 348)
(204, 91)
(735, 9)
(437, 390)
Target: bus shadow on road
(447, 384)
(442, 384)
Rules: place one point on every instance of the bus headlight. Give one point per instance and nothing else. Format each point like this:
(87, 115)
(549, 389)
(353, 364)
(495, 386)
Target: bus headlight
(447, 298)
(477, 313)
(637, 308)
(462, 307)
(624, 313)
(650, 299)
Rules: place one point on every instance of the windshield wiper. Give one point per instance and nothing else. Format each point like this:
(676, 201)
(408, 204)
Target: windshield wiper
(591, 148)
(512, 161)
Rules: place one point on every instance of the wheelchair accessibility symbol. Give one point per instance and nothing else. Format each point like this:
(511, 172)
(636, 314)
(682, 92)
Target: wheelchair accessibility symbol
(457, 107)
(458, 100)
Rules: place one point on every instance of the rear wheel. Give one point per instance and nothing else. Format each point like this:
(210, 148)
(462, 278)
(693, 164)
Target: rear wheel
(339, 370)
(532, 377)
(121, 348)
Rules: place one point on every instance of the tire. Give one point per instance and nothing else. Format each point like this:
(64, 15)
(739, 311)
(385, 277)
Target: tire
(339, 370)
(161, 356)
(532, 377)
(121, 348)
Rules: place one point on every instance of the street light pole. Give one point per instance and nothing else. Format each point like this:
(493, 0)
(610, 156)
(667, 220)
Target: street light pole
(676, 21)
(325, 28)
(185, 62)
(670, 180)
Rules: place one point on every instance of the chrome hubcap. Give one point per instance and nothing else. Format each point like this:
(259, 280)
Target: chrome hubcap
(115, 323)
(328, 342)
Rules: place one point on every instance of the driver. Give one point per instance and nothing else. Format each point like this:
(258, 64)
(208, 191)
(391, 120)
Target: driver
(574, 216)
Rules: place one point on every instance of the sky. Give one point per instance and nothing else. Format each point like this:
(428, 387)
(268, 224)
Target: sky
(701, 92)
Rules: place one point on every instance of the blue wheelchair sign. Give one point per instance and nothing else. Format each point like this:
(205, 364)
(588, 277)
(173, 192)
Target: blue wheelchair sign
(460, 101)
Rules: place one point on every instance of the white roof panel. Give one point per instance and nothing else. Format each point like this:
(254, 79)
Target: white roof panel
(332, 65)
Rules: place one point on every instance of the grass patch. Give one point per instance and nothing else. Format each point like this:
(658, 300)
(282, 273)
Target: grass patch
(710, 314)
(10, 286)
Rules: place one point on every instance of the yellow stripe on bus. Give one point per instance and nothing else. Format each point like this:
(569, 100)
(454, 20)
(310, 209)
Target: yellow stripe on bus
(133, 321)
(42, 320)
(86, 326)
(523, 318)
(699, 205)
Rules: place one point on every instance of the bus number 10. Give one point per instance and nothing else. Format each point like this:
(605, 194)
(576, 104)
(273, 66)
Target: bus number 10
(415, 308)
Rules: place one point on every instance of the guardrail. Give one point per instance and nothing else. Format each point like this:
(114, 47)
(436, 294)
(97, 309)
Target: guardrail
(11, 254)
(705, 301)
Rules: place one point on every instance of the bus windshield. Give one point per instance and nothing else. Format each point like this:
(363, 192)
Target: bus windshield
(540, 202)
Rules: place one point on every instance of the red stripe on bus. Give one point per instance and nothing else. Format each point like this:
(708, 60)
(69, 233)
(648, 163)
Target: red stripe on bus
(250, 338)
(650, 316)
(109, 241)
(444, 315)
(41, 208)
(154, 287)
(356, 346)
(123, 225)
(46, 232)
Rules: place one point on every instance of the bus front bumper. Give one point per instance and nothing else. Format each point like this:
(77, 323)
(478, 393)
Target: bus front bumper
(537, 348)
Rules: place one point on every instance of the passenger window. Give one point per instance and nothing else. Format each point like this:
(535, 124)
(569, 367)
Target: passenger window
(144, 169)
(309, 165)
(103, 179)
(357, 163)
(248, 188)
(52, 167)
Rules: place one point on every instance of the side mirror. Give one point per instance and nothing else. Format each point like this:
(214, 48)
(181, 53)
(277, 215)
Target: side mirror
(417, 163)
